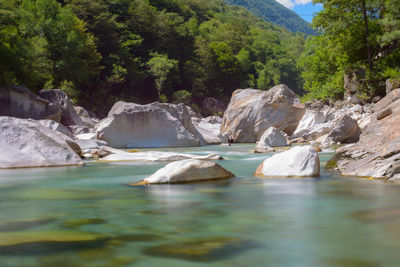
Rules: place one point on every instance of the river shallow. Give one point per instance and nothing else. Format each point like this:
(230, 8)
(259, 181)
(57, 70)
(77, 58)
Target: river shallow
(246, 221)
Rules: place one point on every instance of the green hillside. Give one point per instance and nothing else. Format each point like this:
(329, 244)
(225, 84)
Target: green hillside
(272, 11)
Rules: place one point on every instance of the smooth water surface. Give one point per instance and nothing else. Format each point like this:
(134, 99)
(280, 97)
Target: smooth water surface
(88, 216)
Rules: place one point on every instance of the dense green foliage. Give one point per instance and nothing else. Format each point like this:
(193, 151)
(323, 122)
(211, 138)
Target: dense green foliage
(272, 11)
(357, 36)
(101, 51)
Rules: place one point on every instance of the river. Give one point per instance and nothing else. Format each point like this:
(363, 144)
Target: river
(245, 221)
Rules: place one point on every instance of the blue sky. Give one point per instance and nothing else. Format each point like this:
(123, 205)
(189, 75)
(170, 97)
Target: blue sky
(304, 8)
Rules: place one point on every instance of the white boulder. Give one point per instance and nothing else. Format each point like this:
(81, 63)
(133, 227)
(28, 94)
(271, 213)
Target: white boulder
(27, 143)
(130, 125)
(186, 171)
(300, 161)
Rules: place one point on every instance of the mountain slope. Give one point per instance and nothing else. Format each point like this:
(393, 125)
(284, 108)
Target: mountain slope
(273, 12)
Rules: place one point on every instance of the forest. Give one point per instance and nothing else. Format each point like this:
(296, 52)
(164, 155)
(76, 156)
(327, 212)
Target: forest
(141, 51)
(360, 38)
(102, 51)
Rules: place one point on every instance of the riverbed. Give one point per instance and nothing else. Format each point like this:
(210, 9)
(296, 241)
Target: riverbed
(245, 221)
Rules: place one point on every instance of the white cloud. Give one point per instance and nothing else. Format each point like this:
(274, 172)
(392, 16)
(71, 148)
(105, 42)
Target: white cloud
(291, 3)
(286, 3)
(302, 2)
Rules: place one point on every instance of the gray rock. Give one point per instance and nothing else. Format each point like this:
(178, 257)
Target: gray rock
(378, 152)
(27, 143)
(58, 97)
(18, 101)
(345, 131)
(79, 129)
(383, 113)
(131, 125)
(308, 122)
(58, 127)
(251, 112)
(212, 106)
(88, 119)
(272, 137)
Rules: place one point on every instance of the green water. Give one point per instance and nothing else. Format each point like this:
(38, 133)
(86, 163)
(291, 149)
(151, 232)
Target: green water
(246, 221)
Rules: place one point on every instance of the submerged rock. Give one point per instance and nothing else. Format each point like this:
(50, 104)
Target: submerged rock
(186, 171)
(300, 161)
(131, 125)
(76, 223)
(202, 250)
(251, 112)
(27, 143)
(46, 241)
(154, 156)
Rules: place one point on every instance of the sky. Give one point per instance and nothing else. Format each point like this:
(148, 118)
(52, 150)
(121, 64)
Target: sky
(304, 8)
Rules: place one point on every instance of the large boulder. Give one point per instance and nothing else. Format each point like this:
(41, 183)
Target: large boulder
(18, 101)
(377, 154)
(296, 162)
(58, 97)
(251, 112)
(27, 143)
(212, 106)
(187, 171)
(345, 131)
(131, 125)
(308, 122)
(272, 137)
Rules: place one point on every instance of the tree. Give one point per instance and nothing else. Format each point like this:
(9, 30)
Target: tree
(160, 66)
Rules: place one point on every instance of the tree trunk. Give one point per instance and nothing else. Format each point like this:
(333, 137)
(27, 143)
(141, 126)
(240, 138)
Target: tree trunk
(367, 36)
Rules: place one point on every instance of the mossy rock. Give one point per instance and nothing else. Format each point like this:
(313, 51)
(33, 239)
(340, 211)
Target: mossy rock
(20, 225)
(202, 250)
(36, 242)
(76, 223)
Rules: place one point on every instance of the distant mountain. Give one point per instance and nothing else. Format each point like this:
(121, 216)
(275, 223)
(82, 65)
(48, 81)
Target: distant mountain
(272, 11)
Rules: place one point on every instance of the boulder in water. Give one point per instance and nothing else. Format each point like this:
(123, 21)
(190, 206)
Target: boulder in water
(300, 161)
(186, 171)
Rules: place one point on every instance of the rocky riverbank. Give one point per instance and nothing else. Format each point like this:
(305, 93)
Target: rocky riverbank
(48, 130)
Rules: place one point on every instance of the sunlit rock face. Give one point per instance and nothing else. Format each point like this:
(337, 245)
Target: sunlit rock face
(296, 162)
(378, 152)
(132, 125)
(186, 171)
(27, 143)
(251, 112)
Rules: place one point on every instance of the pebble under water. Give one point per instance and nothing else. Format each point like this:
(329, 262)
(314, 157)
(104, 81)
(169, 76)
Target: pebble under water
(88, 216)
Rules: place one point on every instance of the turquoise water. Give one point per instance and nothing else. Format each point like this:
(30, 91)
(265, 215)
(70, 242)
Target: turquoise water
(246, 221)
